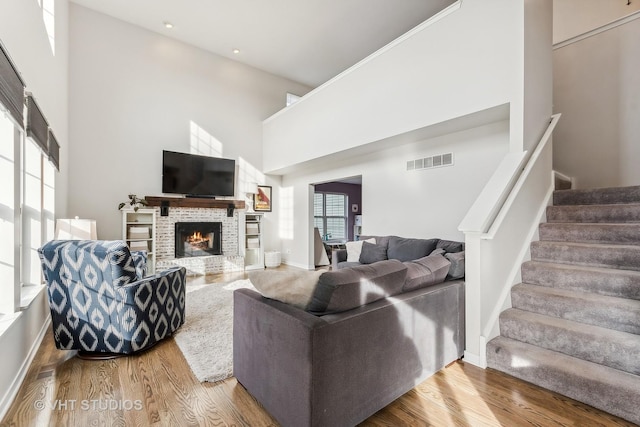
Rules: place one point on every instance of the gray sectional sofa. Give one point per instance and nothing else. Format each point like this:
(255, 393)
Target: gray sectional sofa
(366, 335)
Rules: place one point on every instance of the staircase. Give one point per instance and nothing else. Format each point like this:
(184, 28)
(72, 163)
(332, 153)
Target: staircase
(575, 323)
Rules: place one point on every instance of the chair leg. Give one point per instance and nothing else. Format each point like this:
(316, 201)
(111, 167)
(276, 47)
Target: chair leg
(97, 355)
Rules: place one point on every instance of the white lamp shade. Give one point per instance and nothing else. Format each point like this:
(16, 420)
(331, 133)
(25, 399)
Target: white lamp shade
(251, 187)
(76, 229)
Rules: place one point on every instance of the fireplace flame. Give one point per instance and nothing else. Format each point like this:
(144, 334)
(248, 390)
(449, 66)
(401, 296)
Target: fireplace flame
(196, 237)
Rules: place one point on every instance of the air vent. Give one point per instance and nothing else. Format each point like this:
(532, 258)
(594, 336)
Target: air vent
(436, 161)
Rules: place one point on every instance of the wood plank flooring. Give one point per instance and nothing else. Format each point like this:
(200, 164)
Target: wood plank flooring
(157, 388)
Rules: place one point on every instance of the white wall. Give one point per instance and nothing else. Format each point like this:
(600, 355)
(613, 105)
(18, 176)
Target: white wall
(23, 33)
(426, 203)
(134, 93)
(538, 70)
(574, 17)
(470, 60)
(596, 88)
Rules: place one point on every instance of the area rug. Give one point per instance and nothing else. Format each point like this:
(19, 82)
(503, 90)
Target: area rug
(206, 338)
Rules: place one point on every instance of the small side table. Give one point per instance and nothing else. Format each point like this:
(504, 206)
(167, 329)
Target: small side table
(272, 258)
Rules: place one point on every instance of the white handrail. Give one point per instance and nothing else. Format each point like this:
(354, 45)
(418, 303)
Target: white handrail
(546, 137)
(489, 209)
(601, 29)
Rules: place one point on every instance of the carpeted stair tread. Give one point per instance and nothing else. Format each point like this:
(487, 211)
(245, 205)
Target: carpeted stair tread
(616, 213)
(602, 387)
(597, 196)
(620, 314)
(624, 234)
(626, 257)
(607, 347)
(603, 281)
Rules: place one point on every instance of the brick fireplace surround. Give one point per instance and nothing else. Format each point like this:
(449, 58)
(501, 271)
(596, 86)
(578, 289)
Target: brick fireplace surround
(198, 210)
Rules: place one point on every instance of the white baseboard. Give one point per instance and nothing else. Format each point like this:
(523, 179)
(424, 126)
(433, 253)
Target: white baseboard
(12, 392)
(294, 264)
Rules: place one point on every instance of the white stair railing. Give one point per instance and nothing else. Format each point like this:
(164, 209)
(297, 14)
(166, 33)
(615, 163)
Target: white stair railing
(498, 230)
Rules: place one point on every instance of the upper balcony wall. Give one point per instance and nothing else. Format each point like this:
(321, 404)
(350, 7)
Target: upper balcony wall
(466, 59)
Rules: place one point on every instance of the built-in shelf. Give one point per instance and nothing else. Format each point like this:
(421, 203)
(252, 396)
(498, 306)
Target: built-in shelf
(139, 232)
(193, 202)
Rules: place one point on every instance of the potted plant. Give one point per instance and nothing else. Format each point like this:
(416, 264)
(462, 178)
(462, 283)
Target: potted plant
(135, 202)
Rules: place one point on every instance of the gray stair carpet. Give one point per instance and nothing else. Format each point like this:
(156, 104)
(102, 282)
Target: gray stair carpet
(574, 325)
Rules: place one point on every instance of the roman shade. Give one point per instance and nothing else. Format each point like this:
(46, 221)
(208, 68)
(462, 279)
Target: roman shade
(11, 88)
(37, 126)
(54, 150)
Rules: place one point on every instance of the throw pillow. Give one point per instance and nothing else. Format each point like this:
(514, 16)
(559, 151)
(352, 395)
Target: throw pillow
(290, 287)
(457, 265)
(405, 249)
(372, 253)
(426, 271)
(354, 249)
(348, 288)
(450, 246)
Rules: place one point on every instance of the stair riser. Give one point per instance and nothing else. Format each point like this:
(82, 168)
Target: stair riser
(624, 257)
(624, 317)
(599, 386)
(601, 196)
(608, 348)
(624, 234)
(594, 214)
(611, 282)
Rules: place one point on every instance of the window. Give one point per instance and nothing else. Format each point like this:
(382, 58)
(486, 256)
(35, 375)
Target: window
(29, 158)
(10, 135)
(330, 215)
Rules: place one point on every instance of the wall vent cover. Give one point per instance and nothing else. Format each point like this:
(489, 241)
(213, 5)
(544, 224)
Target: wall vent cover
(437, 161)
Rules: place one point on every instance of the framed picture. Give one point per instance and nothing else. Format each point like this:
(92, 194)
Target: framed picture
(262, 201)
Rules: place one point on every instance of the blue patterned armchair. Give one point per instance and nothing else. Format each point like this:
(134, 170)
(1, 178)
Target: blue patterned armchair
(101, 302)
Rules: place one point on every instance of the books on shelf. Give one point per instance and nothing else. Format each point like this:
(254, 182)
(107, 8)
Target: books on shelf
(139, 232)
(137, 245)
(252, 228)
(253, 243)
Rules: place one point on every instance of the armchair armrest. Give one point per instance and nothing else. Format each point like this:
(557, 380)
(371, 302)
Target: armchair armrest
(338, 255)
(140, 263)
(155, 305)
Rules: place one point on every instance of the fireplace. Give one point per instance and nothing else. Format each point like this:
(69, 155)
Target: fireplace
(198, 239)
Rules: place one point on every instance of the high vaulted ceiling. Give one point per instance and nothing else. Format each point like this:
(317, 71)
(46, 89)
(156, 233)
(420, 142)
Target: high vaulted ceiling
(308, 41)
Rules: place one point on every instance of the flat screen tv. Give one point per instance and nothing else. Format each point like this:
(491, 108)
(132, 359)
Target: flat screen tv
(197, 176)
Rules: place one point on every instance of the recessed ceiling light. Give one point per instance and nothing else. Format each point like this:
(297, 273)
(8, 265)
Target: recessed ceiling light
(168, 24)
(236, 51)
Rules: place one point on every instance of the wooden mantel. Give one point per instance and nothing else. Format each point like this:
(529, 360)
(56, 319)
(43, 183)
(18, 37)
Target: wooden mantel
(194, 202)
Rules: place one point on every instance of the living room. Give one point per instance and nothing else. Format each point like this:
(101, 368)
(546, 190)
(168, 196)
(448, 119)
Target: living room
(117, 94)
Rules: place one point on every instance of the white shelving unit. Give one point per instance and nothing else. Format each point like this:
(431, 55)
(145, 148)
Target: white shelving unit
(357, 227)
(139, 231)
(253, 246)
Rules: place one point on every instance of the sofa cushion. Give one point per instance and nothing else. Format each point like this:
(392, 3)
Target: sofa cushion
(349, 288)
(427, 271)
(291, 287)
(456, 271)
(407, 249)
(354, 249)
(372, 253)
(379, 240)
(450, 246)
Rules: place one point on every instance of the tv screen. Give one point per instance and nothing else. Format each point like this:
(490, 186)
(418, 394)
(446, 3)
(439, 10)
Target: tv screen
(195, 175)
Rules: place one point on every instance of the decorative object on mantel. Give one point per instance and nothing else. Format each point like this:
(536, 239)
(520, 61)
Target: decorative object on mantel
(206, 338)
(135, 202)
(262, 200)
(251, 189)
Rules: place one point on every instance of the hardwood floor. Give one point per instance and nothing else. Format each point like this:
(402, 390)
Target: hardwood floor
(157, 388)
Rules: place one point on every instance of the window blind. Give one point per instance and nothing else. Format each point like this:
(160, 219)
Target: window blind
(54, 150)
(37, 126)
(11, 88)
